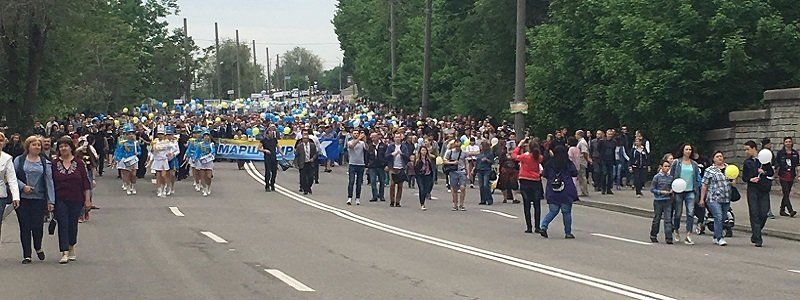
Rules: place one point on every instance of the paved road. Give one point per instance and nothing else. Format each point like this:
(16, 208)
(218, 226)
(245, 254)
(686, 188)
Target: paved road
(137, 248)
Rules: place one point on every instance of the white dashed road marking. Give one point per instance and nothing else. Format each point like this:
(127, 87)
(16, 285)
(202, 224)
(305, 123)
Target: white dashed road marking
(622, 239)
(297, 285)
(214, 237)
(176, 211)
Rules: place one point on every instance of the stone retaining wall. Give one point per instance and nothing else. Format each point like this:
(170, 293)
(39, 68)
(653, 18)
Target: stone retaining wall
(781, 118)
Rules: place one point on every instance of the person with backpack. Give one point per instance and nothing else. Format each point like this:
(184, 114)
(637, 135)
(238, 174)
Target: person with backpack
(455, 163)
(560, 191)
(758, 177)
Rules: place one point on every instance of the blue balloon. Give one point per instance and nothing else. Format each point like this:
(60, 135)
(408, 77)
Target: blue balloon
(280, 128)
(249, 131)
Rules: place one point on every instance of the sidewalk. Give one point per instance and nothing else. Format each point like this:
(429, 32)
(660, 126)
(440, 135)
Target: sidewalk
(625, 201)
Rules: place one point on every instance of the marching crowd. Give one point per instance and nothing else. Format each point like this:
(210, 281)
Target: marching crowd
(53, 169)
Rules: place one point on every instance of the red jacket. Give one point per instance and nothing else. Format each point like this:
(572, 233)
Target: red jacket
(528, 167)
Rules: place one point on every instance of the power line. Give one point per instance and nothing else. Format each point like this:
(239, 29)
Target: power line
(276, 44)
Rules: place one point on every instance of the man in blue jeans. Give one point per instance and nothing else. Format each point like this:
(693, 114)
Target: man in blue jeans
(376, 166)
(356, 155)
(607, 147)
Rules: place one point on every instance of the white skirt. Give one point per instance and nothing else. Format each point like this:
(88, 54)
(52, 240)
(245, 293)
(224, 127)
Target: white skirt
(204, 166)
(160, 165)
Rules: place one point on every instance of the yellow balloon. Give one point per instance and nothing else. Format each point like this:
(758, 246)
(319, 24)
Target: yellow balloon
(125, 110)
(225, 105)
(218, 119)
(439, 161)
(256, 130)
(731, 172)
(287, 130)
(164, 104)
(135, 120)
(151, 116)
(199, 106)
(116, 123)
(466, 143)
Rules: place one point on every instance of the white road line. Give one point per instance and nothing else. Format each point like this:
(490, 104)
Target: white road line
(297, 285)
(176, 211)
(499, 213)
(622, 239)
(610, 286)
(794, 271)
(214, 237)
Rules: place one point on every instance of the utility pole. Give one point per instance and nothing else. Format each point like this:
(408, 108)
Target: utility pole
(269, 73)
(255, 65)
(278, 67)
(187, 84)
(426, 66)
(519, 86)
(392, 44)
(340, 78)
(219, 71)
(238, 68)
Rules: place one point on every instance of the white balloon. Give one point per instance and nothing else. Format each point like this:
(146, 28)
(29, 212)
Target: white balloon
(495, 141)
(679, 185)
(765, 156)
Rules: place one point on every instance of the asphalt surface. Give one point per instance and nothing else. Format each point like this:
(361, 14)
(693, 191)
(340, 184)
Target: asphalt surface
(135, 247)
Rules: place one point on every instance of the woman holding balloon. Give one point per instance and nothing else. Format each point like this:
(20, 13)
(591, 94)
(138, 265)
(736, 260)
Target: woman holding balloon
(685, 173)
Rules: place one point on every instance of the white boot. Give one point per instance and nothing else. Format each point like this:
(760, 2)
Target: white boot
(133, 189)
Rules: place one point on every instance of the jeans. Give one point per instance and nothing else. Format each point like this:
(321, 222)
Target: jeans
(377, 182)
(566, 212)
(720, 213)
(618, 172)
(758, 205)
(67, 213)
(681, 200)
(485, 186)
(270, 172)
(30, 215)
(638, 178)
(662, 210)
(355, 176)
(100, 163)
(786, 203)
(425, 183)
(532, 193)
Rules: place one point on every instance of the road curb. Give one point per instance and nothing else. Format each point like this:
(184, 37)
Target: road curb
(645, 213)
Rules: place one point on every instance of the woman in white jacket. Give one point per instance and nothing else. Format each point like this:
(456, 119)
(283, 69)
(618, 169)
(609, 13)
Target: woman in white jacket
(8, 178)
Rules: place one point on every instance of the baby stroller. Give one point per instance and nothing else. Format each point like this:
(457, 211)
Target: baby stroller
(727, 225)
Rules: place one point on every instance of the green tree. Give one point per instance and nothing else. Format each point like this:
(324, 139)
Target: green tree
(301, 66)
(252, 78)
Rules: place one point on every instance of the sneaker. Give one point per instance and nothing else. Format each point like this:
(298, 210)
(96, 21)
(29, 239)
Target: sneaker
(638, 195)
(722, 242)
(715, 241)
(455, 208)
(462, 208)
(349, 200)
(358, 202)
(688, 241)
(449, 191)
(609, 193)
(669, 242)
(792, 214)
(770, 215)
(697, 230)
(129, 192)
(677, 235)
(569, 236)
(205, 194)
(72, 255)
(133, 191)
(422, 207)
(653, 240)
(64, 258)
(472, 186)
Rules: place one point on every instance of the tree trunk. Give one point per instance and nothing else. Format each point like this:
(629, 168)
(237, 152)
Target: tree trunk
(10, 46)
(37, 37)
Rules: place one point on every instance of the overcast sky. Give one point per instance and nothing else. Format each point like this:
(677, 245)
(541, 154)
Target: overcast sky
(278, 24)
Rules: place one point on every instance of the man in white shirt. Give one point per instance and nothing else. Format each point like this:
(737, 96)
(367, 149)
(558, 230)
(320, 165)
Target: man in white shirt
(584, 161)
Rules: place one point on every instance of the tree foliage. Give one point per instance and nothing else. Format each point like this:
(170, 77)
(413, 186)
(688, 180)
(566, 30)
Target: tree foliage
(75, 55)
(670, 67)
(252, 78)
(301, 66)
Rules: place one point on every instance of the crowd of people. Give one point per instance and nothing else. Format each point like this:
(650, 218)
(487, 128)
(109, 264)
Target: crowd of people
(53, 168)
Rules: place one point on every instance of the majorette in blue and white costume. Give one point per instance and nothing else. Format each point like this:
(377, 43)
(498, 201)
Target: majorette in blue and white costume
(204, 154)
(191, 145)
(127, 157)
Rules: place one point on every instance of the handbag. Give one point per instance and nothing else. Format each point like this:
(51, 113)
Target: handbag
(451, 168)
(51, 228)
(735, 195)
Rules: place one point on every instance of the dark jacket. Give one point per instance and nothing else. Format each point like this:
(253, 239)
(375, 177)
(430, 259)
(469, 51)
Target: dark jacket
(375, 155)
(640, 159)
(300, 155)
(570, 192)
(785, 169)
(431, 163)
(607, 148)
(750, 170)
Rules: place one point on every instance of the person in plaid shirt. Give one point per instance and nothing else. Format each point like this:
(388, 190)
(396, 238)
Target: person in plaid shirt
(716, 194)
